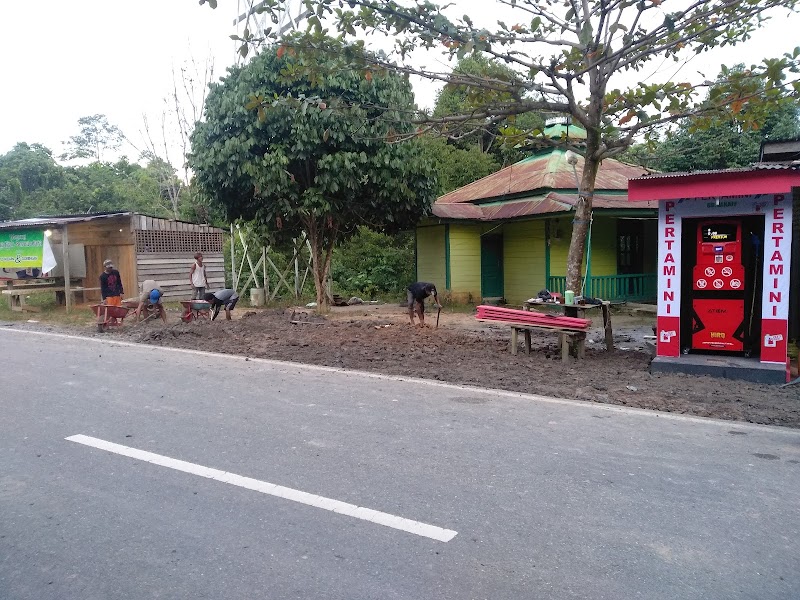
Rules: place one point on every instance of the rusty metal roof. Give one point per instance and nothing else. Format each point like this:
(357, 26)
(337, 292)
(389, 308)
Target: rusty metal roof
(763, 166)
(537, 175)
(56, 221)
(532, 206)
(60, 220)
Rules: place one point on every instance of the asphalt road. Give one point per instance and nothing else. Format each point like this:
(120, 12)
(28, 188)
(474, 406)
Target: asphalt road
(547, 499)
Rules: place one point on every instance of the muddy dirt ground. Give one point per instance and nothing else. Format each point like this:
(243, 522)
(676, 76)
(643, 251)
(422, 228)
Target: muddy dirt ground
(464, 351)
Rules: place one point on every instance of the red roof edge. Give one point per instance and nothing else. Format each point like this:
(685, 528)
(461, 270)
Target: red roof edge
(709, 185)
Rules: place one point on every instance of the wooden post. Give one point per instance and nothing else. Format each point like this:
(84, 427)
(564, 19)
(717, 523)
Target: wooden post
(527, 341)
(234, 278)
(65, 258)
(296, 270)
(606, 308)
(253, 270)
(564, 338)
(266, 274)
(9, 285)
(514, 334)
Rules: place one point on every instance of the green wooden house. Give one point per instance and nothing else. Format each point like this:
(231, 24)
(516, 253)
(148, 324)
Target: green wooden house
(507, 235)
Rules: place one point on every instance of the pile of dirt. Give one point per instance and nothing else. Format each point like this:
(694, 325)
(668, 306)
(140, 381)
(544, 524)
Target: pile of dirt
(476, 356)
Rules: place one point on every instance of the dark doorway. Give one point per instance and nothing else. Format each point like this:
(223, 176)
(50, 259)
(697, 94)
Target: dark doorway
(492, 266)
(630, 246)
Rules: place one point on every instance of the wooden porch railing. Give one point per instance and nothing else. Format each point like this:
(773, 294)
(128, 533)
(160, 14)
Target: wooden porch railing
(638, 287)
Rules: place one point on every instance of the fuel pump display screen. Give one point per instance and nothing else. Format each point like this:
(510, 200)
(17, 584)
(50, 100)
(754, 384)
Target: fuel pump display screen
(718, 233)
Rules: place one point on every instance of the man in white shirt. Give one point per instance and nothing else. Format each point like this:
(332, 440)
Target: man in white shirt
(197, 275)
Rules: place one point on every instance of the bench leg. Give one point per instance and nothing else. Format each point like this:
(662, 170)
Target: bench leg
(514, 332)
(564, 340)
(527, 341)
(607, 325)
(582, 346)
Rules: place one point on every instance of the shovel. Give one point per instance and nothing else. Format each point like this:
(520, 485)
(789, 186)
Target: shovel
(438, 312)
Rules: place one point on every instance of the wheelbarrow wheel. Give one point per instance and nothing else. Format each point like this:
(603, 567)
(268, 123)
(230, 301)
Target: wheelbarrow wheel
(101, 327)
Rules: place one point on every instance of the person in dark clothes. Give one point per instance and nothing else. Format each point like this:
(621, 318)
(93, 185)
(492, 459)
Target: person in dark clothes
(111, 285)
(224, 298)
(417, 292)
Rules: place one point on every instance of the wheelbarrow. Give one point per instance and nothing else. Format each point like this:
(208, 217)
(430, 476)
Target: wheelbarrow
(195, 310)
(109, 316)
(148, 310)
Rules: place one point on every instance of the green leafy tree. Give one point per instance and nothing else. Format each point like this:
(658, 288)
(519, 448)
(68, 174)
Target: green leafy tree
(33, 184)
(720, 146)
(703, 143)
(27, 174)
(324, 167)
(506, 140)
(372, 263)
(96, 136)
(102, 187)
(569, 58)
(456, 167)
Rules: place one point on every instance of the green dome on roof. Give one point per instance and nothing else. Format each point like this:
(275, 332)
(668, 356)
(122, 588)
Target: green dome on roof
(562, 128)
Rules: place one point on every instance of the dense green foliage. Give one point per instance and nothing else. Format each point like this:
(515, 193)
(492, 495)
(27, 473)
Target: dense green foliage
(372, 263)
(505, 139)
(327, 166)
(719, 142)
(32, 184)
(722, 145)
(456, 166)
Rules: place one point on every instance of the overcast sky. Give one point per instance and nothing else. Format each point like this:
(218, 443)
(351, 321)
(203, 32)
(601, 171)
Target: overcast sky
(62, 60)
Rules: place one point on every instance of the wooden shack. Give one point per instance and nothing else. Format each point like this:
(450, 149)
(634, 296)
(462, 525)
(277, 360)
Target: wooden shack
(142, 247)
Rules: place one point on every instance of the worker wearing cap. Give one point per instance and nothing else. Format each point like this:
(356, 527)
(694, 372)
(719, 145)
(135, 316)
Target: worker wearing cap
(151, 295)
(111, 284)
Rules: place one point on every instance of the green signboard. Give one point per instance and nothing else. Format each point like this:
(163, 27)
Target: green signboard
(21, 249)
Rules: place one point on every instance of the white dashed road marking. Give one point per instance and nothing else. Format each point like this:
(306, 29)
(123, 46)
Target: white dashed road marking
(342, 508)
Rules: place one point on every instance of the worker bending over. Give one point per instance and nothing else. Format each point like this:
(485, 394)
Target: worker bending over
(151, 298)
(417, 292)
(224, 298)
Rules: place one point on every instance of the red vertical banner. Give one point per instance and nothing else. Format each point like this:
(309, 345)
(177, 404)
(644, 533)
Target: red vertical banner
(773, 340)
(775, 298)
(668, 339)
(669, 280)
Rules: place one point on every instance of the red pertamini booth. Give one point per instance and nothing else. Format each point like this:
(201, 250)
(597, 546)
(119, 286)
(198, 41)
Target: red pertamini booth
(726, 282)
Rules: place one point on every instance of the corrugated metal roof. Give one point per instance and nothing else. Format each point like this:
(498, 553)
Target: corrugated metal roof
(58, 220)
(540, 173)
(532, 206)
(764, 166)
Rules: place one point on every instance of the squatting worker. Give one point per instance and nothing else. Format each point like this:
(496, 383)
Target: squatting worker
(151, 296)
(198, 277)
(417, 292)
(111, 284)
(227, 298)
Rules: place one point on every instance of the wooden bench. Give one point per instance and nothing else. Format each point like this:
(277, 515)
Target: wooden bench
(566, 337)
(579, 310)
(17, 293)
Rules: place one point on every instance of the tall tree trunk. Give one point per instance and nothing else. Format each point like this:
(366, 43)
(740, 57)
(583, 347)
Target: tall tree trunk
(581, 222)
(321, 254)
